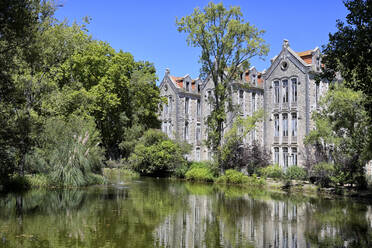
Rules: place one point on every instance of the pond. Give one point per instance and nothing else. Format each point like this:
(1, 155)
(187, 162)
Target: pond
(169, 213)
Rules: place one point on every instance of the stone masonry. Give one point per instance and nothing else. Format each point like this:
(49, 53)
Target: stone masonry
(286, 91)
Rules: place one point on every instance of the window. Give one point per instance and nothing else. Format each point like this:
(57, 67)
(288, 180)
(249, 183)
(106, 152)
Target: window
(294, 90)
(170, 130)
(170, 106)
(316, 94)
(276, 91)
(253, 102)
(285, 157)
(276, 155)
(187, 102)
(285, 91)
(197, 154)
(187, 86)
(285, 124)
(294, 124)
(294, 156)
(165, 109)
(254, 81)
(276, 117)
(186, 131)
(198, 110)
(209, 99)
(197, 134)
(241, 101)
(199, 88)
(253, 135)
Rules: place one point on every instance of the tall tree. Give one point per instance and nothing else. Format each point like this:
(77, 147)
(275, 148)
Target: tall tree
(20, 22)
(349, 51)
(341, 133)
(227, 43)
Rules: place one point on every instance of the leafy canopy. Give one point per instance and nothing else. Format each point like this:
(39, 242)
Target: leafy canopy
(227, 43)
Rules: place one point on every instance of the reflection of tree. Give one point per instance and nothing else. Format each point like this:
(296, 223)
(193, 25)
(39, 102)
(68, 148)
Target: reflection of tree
(332, 222)
(95, 217)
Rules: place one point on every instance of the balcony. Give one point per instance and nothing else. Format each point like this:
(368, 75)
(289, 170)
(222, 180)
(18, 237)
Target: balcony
(294, 140)
(285, 139)
(276, 139)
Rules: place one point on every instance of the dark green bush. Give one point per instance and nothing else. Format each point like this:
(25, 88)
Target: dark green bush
(156, 155)
(295, 173)
(272, 171)
(323, 174)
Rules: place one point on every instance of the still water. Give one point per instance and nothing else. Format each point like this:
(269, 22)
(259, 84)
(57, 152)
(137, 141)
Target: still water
(165, 213)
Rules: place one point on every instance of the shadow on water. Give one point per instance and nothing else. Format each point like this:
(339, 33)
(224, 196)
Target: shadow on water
(163, 213)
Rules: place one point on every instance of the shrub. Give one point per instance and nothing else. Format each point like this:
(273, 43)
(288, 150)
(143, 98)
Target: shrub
(38, 180)
(323, 174)
(232, 176)
(254, 181)
(295, 173)
(272, 171)
(69, 152)
(156, 154)
(199, 172)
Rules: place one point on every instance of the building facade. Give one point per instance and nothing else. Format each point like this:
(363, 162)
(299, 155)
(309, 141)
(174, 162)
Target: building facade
(286, 91)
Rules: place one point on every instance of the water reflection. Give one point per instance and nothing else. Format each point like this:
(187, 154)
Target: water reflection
(160, 213)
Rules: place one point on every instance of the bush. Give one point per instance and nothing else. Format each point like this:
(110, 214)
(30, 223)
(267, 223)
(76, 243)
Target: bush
(69, 152)
(295, 173)
(323, 174)
(272, 171)
(38, 180)
(156, 155)
(200, 171)
(232, 176)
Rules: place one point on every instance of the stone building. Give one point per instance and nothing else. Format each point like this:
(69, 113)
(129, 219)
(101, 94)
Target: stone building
(286, 91)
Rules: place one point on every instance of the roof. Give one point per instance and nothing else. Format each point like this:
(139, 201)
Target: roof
(306, 56)
(177, 80)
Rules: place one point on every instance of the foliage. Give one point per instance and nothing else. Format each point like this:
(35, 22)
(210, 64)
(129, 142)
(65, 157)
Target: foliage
(232, 176)
(272, 171)
(200, 174)
(295, 173)
(20, 21)
(349, 52)
(38, 180)
(156, 154)
(341, 133)
(234, 155)
(69, 152)
(323, 174)
(227, 43)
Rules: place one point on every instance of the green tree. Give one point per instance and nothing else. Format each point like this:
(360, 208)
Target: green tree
(156, 154)
(20, 23)
(341, 133)
(349, 51)
(227, 43)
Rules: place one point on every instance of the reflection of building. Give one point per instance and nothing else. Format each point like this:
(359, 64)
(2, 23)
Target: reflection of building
(262, 224)
(286, 91)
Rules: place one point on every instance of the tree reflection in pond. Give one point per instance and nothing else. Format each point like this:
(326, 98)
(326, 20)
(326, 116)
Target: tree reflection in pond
(161, 213)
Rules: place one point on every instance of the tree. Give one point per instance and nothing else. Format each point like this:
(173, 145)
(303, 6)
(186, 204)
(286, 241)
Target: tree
(227, 43)
(341, 133)
(156, 154)
(349, 51)
(236, 155)
(20, 23)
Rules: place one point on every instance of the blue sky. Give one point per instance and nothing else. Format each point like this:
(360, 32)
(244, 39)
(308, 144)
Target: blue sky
(147, 29)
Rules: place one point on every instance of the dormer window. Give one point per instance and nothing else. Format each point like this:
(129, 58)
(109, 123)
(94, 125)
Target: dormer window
(198, 88)
(187, 86)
